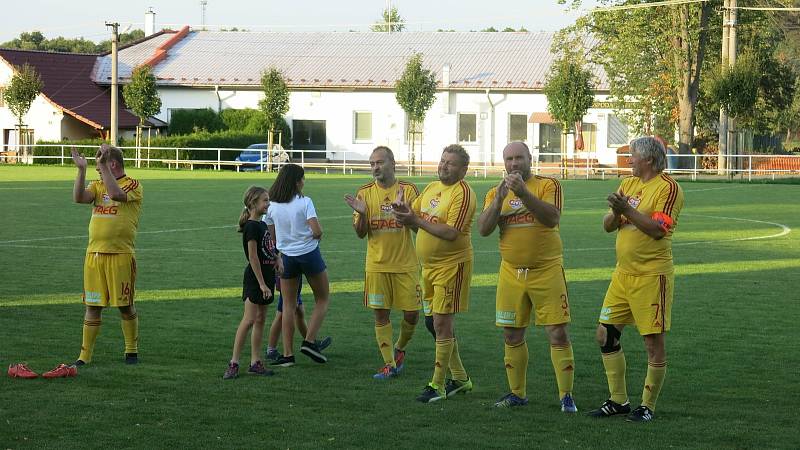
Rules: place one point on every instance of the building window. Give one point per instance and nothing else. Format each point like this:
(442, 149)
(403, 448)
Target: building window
(589, 132)
(517, 127)
(617, 131)
(362, 126)
(467, 127)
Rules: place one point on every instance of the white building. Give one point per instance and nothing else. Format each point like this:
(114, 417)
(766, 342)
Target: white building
(342, 88)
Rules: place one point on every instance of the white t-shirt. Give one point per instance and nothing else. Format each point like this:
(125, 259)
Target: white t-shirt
(293, 236)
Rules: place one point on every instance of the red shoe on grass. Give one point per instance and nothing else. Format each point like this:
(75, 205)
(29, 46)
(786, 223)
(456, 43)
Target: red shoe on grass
(62, 371)
(21, 370)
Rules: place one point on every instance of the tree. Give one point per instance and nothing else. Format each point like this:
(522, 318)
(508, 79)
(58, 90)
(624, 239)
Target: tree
(142, 98)
(35, 40)
(275, 102)
(415, 92)
(653, 56)
(570, 93)
(391, 22)
(25, 86)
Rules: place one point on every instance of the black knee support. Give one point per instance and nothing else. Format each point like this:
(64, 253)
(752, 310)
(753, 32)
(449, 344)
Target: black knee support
(429, 325)
(612, 334)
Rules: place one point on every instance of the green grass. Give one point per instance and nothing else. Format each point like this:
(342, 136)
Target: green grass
(732, 352)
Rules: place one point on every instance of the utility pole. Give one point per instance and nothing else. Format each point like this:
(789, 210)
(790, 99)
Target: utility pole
(114, 83)
(732, 133)
(722, 158)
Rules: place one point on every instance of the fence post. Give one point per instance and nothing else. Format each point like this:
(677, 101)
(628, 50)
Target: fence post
(218, 159)
(62, 155)
(694, 170)
(176, 159)
(303, 158)
(344, 162)
(749, 167)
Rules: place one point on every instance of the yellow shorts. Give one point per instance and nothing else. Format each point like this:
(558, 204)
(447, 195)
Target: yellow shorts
(109, 279)
(383, 290)
(446, 288)
(644, 300)
(519, 290)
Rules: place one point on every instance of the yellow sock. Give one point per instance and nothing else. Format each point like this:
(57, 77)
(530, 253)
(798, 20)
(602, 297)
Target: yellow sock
(406, 333)
(457, 369)
(564, 367)
(91, 328)
(516, 362)
(653, 383)
(444, 349)
(615, 372)
(383, 334)
(130, 331)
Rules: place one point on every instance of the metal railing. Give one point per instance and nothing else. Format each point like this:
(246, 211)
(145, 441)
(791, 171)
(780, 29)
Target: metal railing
(575, 165)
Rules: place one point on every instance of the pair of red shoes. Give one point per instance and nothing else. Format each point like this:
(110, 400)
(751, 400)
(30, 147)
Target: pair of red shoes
(21, 370)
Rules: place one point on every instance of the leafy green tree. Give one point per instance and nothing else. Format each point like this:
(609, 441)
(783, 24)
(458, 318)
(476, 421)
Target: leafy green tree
(22, 90)
(275, 103)
(489, 30)
(391, 22)
(570, 92)
(735, 88)
(142, 98)
(653, 55)
(415, 93)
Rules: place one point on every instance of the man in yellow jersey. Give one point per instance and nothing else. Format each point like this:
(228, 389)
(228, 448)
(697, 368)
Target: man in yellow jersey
(442, 216)
(392, 273)
(109, 271)
(527, 209)
(644, 213)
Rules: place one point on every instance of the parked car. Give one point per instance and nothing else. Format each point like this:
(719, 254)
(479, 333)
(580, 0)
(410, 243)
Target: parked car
(257, 157)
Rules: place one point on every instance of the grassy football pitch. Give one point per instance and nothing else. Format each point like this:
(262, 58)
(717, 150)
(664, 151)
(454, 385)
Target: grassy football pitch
(732, 352)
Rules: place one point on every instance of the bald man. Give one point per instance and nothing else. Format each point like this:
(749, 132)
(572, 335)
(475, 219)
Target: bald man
(527, 208)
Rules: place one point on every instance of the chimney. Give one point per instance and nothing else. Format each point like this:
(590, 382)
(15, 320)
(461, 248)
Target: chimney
(446, 76)
(149, 22)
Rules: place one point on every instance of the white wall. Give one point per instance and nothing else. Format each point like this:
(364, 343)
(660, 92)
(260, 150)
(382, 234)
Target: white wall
(337, 109)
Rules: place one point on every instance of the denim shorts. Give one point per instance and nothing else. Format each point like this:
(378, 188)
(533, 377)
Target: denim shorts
(309, 264)
(280, 295)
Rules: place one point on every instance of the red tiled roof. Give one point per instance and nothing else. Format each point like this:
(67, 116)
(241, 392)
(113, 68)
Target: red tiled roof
(67, 83)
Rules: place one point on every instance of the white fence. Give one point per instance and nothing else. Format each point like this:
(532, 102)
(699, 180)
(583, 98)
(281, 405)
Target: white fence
(578, 165)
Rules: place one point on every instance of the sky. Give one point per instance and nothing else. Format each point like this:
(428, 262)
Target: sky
(86, 18)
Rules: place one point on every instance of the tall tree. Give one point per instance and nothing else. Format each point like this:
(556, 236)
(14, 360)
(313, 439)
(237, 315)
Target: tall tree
(391, 21)
(653, 55)
(142, 98)
(275, 102)
(22, 90)
(415, 93)
(570, 92)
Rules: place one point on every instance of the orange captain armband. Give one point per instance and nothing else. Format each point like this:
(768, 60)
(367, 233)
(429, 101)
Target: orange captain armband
(665, 222)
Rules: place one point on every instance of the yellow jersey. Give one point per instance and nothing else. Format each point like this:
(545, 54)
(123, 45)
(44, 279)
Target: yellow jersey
(524, 242)
(390, 246)
(112, 228)
(660, 198)
(453, 205)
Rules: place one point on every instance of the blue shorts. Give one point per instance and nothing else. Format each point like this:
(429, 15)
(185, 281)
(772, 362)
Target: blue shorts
(309, 264)
(280, 296)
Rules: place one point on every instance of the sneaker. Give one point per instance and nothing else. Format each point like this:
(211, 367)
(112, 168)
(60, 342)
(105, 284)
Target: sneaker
(284, 361)
(272, 354)
(62, 371)
(399, 359)
(641, 414)
(21, 370)
(259, 369)
(453, 387)
(232, 371)
(511, 400)
(610, 408)
(78, 363)
(568, 404)
(311, 350)
(386, 372)
(324, 343)
(430, 394)
(131, 358)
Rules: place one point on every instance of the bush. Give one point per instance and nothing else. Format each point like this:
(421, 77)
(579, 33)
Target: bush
(188, 121)
(254, 121)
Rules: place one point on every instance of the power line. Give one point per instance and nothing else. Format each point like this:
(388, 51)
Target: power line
(644, 5)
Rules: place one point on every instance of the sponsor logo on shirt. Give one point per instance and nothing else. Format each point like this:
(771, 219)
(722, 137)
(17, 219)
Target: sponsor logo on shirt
(515, 203)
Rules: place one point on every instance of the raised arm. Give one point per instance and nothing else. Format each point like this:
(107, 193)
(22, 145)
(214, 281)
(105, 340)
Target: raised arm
(79, 192)
(488, 219)
(109, 180)
(360, 220)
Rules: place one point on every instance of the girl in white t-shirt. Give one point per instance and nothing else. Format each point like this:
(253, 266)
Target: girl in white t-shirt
(292, 219)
